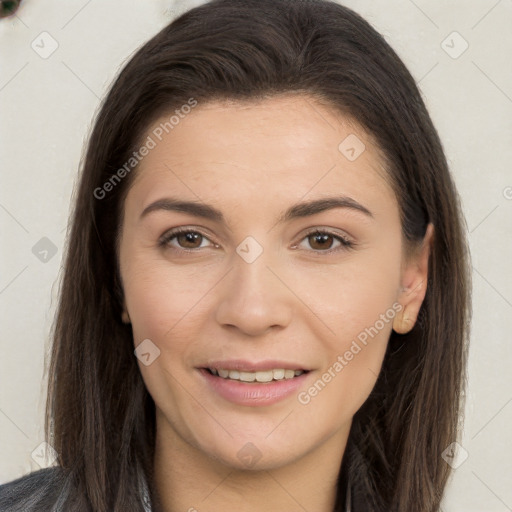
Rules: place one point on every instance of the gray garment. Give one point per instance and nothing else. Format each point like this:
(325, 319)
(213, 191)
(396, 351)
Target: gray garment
(28, 492)
(46, 490)
(51, 486)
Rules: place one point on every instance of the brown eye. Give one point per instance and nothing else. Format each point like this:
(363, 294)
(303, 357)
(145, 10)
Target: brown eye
(321, 241)
(183, 239)
(189, 239)
(326, 242)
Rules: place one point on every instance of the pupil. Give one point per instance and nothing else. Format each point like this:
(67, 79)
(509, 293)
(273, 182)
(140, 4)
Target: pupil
(190, 237)
(322, 237)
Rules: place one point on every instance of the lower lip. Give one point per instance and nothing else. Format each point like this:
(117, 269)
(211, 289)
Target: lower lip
(252, 393)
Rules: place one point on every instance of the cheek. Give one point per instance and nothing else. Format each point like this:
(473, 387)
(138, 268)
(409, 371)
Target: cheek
(352, 364)
(353, 297)
(165, 307)
(161, 301)
(358, 305)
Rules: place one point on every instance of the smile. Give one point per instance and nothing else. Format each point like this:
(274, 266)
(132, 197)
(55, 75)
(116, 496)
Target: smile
(262, 387)
(259, 376)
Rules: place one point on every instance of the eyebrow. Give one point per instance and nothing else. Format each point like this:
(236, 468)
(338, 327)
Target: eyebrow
(299, 210)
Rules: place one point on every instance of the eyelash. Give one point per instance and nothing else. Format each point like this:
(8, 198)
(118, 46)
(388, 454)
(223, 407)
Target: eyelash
(346, 244)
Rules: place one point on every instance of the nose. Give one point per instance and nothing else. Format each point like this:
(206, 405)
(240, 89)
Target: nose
(254, 297)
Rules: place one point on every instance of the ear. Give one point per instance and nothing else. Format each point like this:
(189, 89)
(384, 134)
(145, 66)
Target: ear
(414, 285)
(125, 317)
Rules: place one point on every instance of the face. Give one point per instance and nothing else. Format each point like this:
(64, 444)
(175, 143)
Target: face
(255, 284)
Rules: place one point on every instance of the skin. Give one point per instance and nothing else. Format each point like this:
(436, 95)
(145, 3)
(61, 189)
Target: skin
(295, 302)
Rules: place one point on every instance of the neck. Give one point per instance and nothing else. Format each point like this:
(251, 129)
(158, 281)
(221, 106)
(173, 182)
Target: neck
(187, 479)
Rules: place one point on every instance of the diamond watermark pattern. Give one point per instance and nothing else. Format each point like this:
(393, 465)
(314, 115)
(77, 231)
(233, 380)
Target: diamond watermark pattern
(44, 455)
(454, 455)
(147, 352)
(249, 249)
(44, 45)
(44, 250)
(249, 454)
(454, 45)
(351, 147)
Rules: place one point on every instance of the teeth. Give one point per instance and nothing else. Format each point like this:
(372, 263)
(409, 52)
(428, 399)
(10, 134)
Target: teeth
(264, 376)
(278, 374)
(234, 374)
(248, 376)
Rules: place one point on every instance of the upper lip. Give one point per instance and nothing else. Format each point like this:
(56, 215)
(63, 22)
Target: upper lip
(248, 366)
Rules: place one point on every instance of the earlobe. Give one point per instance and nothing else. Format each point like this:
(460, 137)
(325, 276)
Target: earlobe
(125, 317)
(414, 286)
(403, 323)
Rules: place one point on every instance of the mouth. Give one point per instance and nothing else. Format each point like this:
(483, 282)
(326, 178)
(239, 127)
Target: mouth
(252, 385)
(256, 377)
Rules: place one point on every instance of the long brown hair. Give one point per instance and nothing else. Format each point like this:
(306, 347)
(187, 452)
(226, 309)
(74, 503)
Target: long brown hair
(100, 417)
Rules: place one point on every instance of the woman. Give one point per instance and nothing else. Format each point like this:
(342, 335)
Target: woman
(265, 297)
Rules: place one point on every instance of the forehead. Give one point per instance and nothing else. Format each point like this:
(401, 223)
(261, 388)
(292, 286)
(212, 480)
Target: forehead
(282, 147)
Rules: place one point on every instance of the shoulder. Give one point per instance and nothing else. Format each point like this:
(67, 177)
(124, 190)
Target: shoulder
(36, 491)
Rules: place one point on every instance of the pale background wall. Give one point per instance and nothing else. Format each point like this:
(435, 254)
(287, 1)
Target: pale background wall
(47, 105)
